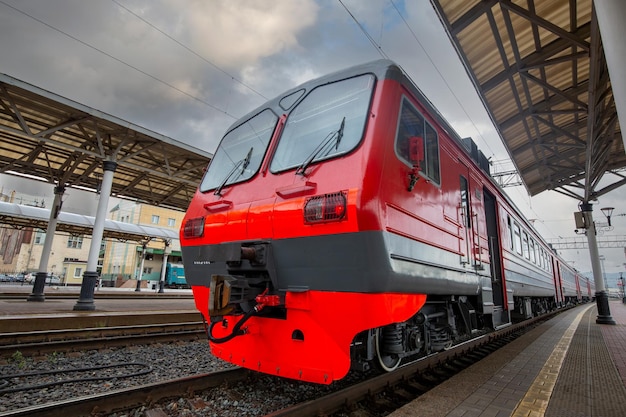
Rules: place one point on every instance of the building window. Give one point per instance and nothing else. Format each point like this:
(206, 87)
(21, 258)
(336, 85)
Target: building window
(155, 219)
(171, 222)
(75, 242)
(78, 272)
(40, 237)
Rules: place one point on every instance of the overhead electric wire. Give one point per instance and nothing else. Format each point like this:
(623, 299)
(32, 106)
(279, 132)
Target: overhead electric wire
(455, 96)
(121, 61)
(188, 49)
(365, 32)
(441, 75)
(380, 50)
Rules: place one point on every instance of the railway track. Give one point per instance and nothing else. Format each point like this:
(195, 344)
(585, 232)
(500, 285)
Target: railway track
(373, 397)
(125, 399)
(126, 330)
(387, 392)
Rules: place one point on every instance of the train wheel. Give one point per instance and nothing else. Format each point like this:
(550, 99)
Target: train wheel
(387, 362)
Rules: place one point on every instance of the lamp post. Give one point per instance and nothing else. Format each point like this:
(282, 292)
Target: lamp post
(602, 259)
(602, 299)
(608, 211)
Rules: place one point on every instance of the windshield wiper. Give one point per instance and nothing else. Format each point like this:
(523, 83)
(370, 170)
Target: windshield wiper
(243, 163)
(333, 138)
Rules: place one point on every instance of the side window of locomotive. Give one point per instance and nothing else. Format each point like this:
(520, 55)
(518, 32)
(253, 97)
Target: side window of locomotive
(239, 155)
(517, 239)
(510, 228)
(412, 124)
(328, 122)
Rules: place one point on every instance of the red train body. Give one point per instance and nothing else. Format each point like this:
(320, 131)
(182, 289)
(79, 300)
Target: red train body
(345, 224)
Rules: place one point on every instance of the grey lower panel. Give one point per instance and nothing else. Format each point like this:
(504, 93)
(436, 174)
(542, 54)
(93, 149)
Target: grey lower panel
(526, 283)
(368, 262)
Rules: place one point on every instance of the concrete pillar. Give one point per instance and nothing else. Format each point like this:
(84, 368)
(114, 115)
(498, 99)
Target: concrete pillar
(602, 299)
(90, 276)
(166, 253)
(42, 272)
(143, 259)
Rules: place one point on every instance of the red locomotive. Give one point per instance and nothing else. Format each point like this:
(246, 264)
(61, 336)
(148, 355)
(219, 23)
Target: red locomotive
(345, 224)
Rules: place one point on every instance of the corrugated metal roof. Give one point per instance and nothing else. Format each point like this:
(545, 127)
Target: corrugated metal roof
(540, 70)
(64, 142)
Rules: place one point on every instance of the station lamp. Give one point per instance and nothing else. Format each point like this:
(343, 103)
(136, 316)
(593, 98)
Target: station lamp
(607, 212)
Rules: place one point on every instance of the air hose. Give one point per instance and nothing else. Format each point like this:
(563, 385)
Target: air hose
(236, 328)
(262, 300)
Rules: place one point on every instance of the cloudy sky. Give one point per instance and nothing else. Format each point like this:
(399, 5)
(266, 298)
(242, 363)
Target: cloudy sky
(189, 69)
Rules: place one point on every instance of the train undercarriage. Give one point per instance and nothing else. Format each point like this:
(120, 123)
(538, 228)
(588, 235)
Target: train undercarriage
(439, 325)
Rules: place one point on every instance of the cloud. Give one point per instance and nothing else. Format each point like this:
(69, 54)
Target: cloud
(235, 34)
(124, 57)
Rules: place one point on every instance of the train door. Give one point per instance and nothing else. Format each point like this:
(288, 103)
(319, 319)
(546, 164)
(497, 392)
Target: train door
(472, 212)
(558, 282)
(470, 250)
(501, 311)
(465, 215)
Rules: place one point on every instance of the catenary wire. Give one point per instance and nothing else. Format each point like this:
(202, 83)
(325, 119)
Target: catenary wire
(121, 61)
(381, 51)
(189, 49)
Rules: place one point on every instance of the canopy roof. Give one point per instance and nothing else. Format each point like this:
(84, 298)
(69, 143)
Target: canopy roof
(540, 69)
(65, 143)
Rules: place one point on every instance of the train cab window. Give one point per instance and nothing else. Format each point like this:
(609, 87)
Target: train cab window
(239, 155)
(413, 124)
(329, 121)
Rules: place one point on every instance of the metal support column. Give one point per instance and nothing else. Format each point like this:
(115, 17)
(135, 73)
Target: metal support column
(166, 252)
(90, 277)
(143, 259)
(42, 272)
(602, 299)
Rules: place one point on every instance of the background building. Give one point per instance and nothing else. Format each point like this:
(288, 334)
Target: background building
(122, 260)
(20, 249)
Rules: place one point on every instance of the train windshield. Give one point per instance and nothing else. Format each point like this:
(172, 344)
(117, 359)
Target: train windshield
(328, 122)
(240, 153)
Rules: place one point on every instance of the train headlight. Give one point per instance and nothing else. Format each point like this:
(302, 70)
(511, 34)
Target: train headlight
(325, 208)
(194, 228)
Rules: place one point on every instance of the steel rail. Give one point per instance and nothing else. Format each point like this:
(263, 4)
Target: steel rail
(125, 399)
(63, 340)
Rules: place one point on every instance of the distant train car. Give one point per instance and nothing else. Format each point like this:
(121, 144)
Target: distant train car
(175, 276)
(344, 225)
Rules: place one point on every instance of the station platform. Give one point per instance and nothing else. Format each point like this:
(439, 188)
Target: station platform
(61, 301)
(567, 367)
